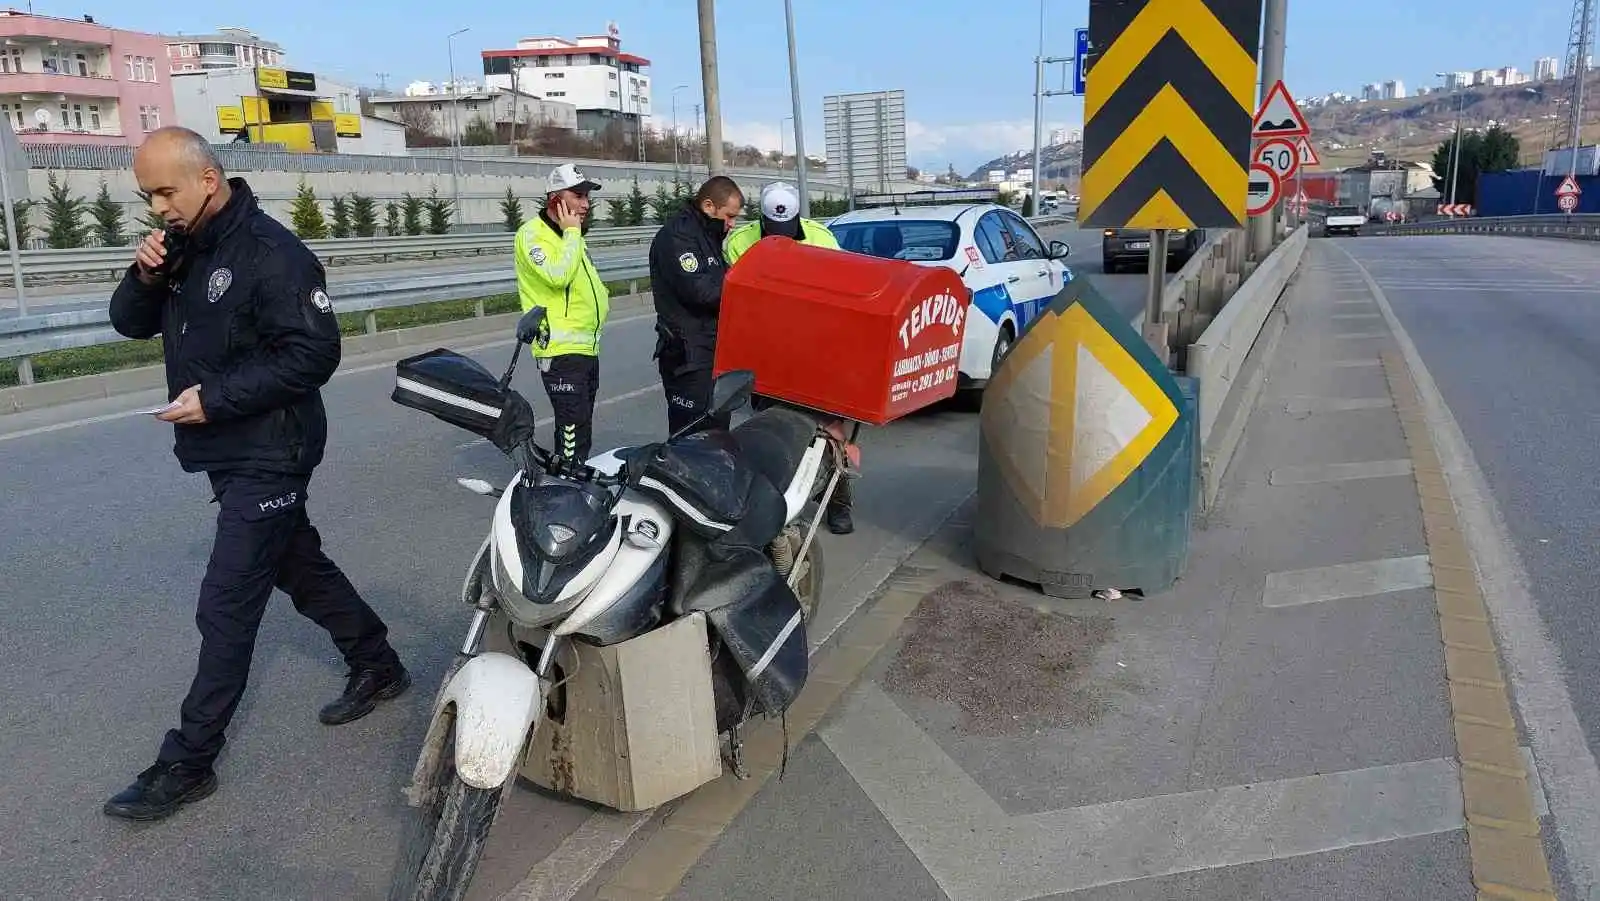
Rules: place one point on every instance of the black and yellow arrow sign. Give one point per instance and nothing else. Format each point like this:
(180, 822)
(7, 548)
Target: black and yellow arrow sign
(1167, 113)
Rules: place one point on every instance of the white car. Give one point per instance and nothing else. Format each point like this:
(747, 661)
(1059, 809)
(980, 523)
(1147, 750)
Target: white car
(1009, 269)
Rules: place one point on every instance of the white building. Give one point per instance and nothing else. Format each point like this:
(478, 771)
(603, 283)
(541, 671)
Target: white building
(604, 84)
(297, 109)
(1372, 92)
(1456, 80)
(225, 48)
(446, 116)
(1546, 68)
(1394, 90)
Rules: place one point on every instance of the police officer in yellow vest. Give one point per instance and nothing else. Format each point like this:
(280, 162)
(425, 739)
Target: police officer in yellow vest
(780, 215)
(554, 271)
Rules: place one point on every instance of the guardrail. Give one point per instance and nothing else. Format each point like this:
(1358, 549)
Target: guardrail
(111, 262)
(25, 336)
(1582, 227)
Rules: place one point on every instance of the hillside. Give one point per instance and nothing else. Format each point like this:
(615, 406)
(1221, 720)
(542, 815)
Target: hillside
(1345, 134)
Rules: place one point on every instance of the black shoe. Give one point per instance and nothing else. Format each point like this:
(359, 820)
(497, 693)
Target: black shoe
(159, 791)
(363, 692)
(839, 521)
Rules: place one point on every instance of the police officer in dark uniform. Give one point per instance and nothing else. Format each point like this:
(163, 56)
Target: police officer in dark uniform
(686, 272)
(249, 337)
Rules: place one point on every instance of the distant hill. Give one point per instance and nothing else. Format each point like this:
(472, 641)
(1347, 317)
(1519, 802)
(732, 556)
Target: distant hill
(1346, 134)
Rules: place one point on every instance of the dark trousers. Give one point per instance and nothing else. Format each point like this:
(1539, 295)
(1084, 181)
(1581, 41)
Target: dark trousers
(688, 390)
(264, 540)
(571, 382)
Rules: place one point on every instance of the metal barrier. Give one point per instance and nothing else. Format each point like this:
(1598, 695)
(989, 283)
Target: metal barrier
(1582, 227)
(24, 336)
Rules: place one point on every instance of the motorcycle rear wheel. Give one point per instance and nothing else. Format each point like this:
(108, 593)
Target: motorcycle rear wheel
(447, 835)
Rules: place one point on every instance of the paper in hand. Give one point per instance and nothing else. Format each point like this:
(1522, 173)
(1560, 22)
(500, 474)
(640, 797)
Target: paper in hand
(159, 410)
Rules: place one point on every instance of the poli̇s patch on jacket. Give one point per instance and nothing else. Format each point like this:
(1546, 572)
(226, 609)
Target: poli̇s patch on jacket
(217, 285)
(319, 299)
(537, 256)
(689, 263)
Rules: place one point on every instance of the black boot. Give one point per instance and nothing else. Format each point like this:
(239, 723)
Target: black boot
(362, 693)
(838, 520)
(159, 791)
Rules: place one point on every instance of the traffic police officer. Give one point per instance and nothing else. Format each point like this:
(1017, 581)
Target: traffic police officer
(249, 337)
(554, 271)
(686, 272)
(780, 215)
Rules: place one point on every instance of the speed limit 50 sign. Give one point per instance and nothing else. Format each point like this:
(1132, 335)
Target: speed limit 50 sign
(1280, 155)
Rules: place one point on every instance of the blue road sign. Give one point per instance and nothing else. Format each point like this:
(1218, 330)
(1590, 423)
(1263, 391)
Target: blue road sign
(1080, 58)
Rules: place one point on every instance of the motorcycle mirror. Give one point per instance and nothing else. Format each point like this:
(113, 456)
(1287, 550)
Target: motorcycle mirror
(534, 327)
(478, 486)
(731, 391)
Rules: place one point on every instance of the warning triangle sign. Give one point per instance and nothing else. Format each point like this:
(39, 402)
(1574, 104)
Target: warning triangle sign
(1569, 185)
(1279, 116)
(1308, 154)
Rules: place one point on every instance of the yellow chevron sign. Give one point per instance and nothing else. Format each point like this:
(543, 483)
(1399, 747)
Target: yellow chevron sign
(1167, 113)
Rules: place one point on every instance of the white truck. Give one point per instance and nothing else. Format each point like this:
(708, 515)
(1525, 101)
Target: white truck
(1343, 220)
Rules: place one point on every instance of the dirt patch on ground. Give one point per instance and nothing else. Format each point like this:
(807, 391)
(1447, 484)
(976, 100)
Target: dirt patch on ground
(1007, 667)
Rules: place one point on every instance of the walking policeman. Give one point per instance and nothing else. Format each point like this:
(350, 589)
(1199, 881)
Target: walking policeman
(554, 271)
(780, 215)
(250, 338)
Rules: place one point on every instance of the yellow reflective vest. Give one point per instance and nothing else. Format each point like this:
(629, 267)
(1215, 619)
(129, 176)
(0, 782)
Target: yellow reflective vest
(745, 236)
(554, 271)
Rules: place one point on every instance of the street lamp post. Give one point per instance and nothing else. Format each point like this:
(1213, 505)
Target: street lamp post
(782, 140)
(794, 99)
(455, 122)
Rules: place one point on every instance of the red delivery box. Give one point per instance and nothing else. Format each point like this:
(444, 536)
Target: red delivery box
(857, 336)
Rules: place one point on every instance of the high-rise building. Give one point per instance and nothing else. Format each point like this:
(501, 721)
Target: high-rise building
(1546, 68)
(226, 48)
(72, 81)
(1394, 90)
(1372, 92)
(592, 73)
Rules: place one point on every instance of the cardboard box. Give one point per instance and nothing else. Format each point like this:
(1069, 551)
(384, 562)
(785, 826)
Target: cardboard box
(860, 337)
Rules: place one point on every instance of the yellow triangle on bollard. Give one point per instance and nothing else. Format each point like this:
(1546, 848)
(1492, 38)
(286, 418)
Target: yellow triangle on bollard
(1071, 415)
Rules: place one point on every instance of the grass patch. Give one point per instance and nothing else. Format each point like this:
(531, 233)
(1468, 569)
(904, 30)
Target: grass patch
(103, 358)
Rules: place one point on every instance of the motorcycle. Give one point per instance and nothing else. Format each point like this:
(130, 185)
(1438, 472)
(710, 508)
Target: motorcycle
(690, 555)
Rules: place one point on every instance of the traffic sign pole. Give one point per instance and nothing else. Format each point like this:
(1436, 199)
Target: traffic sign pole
(1273, 28)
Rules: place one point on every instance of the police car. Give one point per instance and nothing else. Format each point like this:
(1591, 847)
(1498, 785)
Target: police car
(1011, 272)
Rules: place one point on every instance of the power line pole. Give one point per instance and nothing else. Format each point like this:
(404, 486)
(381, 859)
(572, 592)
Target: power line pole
(708, 82)
(799, 129)
(1581, 41)
(1274, 24)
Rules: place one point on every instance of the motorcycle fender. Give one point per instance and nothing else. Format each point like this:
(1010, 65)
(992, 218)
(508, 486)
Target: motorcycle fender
(497, 703)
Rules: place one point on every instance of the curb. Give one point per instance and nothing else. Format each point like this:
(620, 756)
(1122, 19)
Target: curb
(101, 386)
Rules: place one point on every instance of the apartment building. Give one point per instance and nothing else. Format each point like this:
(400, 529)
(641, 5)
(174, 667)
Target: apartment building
(225, 48)
(75, 81)
(592, 73)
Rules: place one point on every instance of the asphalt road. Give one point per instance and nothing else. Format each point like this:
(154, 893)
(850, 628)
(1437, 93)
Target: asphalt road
(106, 539)
(1508, 329)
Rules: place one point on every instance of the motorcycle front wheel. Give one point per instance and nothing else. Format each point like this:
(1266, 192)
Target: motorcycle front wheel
(447, 833)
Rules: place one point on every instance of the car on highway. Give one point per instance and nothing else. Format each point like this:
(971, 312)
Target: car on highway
(1342, 220)
(1011, 272)
(1121, 247)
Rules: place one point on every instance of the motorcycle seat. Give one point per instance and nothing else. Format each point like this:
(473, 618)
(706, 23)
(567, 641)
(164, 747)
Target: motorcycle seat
(773, 443)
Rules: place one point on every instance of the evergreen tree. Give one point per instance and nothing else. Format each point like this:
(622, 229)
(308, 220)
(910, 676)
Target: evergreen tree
(391, 218)
(617, 213)
(363, 215)
(439, 210)
(64, 213)
(19, 213)
(305, 214)
(511, 208)
(341, 216)
(152, 220)
(411, 209)
(107, 215)
(637, 204)
(662, 205)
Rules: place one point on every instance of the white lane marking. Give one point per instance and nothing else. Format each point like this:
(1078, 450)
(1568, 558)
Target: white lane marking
(353, 370)
(1567, 767)
(1342, 581)
(976, 852)
(1317, 473)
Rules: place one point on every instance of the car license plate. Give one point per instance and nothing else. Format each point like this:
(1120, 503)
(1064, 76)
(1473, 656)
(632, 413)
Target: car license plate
(1138, 245)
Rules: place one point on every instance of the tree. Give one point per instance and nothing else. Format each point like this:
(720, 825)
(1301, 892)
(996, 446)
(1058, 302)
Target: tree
(664, 204)
(421, 128)
(107, 214)
(637, 204)
(511, 209)
(478, 133)
(305, 214)
(391, 218)
(363, 215)
(152, 220)
(19, 213)
(913, 173)
(341, 216)
(64, 213)
(1495, 150)
(439, 210)
(617, 213)
(411, 209)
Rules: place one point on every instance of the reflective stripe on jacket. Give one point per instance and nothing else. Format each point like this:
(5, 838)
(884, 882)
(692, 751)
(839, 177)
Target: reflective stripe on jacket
(745, 236)
(554, 271)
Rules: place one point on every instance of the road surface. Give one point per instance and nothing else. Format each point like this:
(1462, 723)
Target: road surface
(106, 540)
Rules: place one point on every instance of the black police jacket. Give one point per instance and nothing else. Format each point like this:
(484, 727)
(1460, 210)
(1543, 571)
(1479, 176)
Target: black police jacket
(686, 272)
(245, 315)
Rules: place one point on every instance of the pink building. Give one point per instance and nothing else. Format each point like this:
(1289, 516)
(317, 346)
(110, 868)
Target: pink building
(71, 81)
